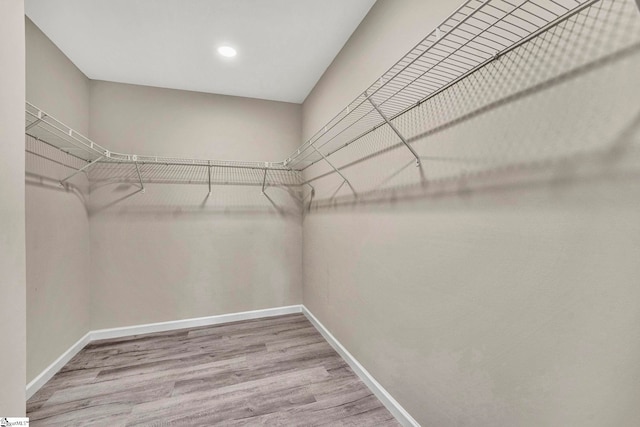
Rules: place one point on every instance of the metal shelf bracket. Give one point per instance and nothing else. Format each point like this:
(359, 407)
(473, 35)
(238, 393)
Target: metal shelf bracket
(264, 180)
(311, 195)
(82, 169)
(355, 193)
(41, 117)
(140, 178)
(393, 128)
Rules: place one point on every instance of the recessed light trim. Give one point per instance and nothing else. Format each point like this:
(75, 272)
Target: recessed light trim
(227, 51)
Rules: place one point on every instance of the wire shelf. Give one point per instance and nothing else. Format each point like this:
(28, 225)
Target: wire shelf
(477, 33)
(473, 36)
(556, 99)
(44, 127)
(103, 167)
(176, 173)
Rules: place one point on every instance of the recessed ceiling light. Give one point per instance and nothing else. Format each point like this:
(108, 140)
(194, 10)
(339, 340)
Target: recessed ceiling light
(227, 51)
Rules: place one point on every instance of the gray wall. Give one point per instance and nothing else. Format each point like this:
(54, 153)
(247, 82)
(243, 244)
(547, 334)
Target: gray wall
(502, 289)
(57, 221)
(12, 239)
(174, 252)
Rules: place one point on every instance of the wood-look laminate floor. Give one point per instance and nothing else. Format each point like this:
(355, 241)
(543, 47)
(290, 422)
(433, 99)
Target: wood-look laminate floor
(275, 371)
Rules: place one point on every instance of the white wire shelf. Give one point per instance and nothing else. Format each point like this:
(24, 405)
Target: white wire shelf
(478, 32)
(176, 173)
(103, 167)
(48, 129)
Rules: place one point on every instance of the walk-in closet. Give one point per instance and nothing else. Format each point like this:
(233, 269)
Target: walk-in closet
(305, 213)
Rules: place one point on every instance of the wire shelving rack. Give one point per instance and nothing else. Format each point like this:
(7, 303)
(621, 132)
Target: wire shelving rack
(476, 33)
(103, 165)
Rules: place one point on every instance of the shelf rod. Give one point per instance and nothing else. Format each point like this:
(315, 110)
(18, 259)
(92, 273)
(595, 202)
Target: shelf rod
(168, 163)
(85, 167)
(336, 169)
(394, 129)
(139, 177)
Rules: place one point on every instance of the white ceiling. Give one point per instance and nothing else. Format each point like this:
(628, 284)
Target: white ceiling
(283, 46)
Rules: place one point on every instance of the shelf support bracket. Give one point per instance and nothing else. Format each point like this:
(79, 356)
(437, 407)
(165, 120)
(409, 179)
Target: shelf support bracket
(84, 168)
(139, 177)
(394, 129)
(209, 170)
(335, 169)
(41, 117)
(264, 181)
(312, 194)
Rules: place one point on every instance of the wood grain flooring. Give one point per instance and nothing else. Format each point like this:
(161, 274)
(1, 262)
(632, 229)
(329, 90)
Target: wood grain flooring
(277, 371)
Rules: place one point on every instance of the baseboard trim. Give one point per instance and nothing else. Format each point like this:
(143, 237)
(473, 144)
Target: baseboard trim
(387, 400)
(127, 331)
(52, 369)
(376, 388)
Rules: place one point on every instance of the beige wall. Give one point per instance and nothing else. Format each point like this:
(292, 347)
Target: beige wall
(12, 238)
(58, 277)
(500, 291)
(173, 252)
(54, 83)
(177, 123)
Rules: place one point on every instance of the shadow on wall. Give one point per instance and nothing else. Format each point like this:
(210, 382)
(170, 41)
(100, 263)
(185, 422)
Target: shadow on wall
(562, 109)
(180, 199)
(115, 188)
(184, 189)
(46, 166)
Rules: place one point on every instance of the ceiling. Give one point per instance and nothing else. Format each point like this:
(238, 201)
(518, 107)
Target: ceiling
(284, 46)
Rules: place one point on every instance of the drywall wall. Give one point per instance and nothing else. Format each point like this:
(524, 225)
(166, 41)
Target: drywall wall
(500, 289)
(57, 221)
(174, 252)
(12, 236)
(54, 83)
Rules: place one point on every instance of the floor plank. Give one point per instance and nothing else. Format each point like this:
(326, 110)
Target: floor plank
(277, 371)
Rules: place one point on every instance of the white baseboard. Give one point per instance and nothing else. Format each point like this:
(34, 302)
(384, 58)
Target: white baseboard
(52, 369)
(128, 331)
(387, 400)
